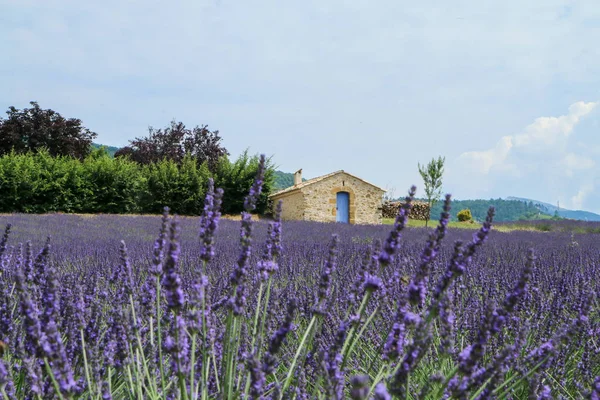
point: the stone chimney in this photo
(298, 177)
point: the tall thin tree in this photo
(432, 179)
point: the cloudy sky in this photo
(507, 91)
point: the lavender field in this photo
(188, 308)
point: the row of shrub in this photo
(40, 183)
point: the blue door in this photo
(342, 207)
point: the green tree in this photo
(432, 179)
(236, 178)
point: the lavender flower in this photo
(209, 221)
(238, 301)
(171, 280)
(4, 240)
(278, 338)
(328, 269)
(257, 378)
(177, 345)
(390, 247)
(381, 392)
(595, 395)
(6, 384)
(417, 291)
(360, 387)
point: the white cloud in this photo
(578, 199)
(483, 161)
(544, 131)
(547, 130)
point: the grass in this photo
(533, 226)
(414, 223)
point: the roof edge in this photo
(316, 179)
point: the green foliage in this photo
(181, 187)
(237, 177)
(40, 183)
(114, 185)
(283, 180)
(110, 150)
(464, 215)
(432, 179)
(506, 210)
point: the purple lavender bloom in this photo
(277, 249)
(39, 266)
(55, 351)
(546, 393)
(256, 189)
(257, 377)
(595, 395)
(328, 269)
(127, 274)
(332, 360)
(267, 266)
(381, 392)
(4, 240)
(391, 245)
(360, 387)
(171, 279)
(237, 301)
(417, 290)
(159, 245)
(209, 221)
(278, 337)
(177, 345)
(372, 283)
(6, 383)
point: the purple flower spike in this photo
(417, 290)
(596, 389)
(328, 269)
(381, 392)
(360, 387)
(237, 301)
(4, 239)
(277, 339)
(171, 280)
(209, 221)
(390, 248)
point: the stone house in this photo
(335, 197)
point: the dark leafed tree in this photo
(33, 128)
(173, 143)
(432, 179)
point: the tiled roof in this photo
(318, 179)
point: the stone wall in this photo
(365, 200)
(292, 207)
(419, 210)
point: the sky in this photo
(507, 91)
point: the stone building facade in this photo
(326, 197)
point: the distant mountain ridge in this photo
(562, 212)
(110, 149)
(284, 180)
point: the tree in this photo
(31, 129)
(236, 178)
(173, 143)
(432, 179)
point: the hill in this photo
(562, 212)
(284, 180)
(506, 210)
(110, 149)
